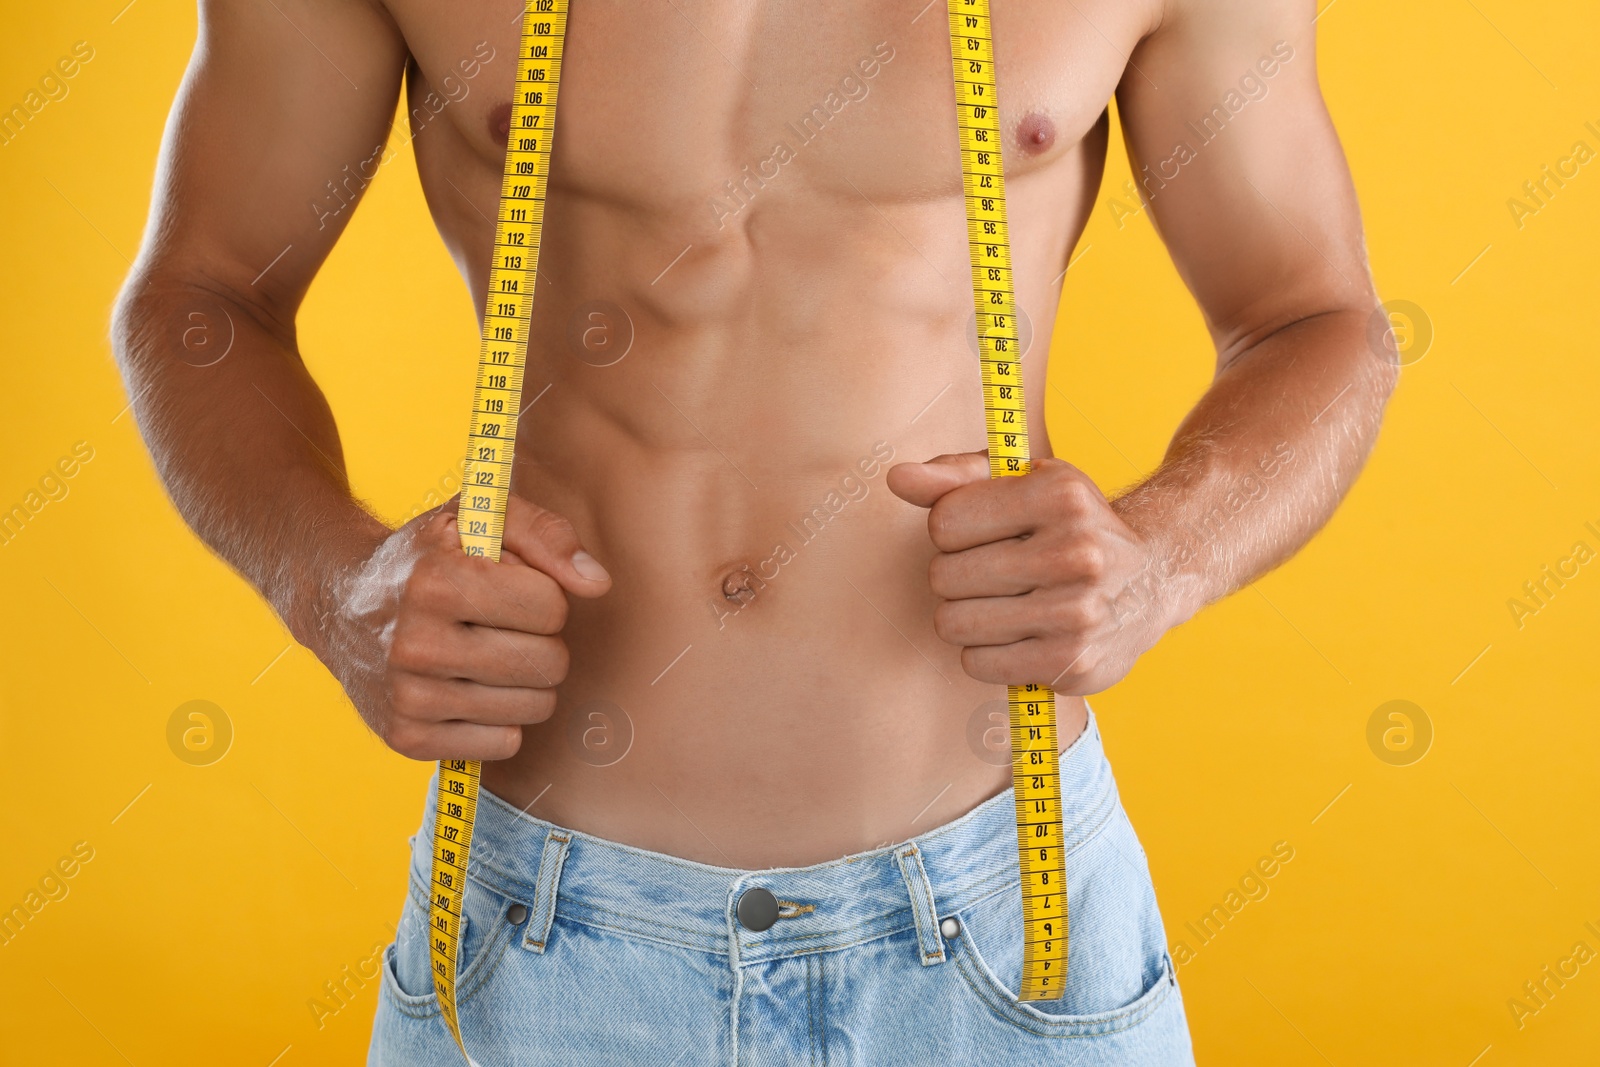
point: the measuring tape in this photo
(496, 403)
(496, 399)
(1035, 776)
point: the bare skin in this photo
(739, 534)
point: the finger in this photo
(457, 740)
(432, 702)
(1000, 568)
(923, 483)
(548, 542)
(1054, 492)
(1017, 565)
(506, 658)
(981, 513)
(1030, 662)
(512, 597)
(1071, 613)
(985, 621)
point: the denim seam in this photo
(1007, 1012)
(811, 1017)
(566, 907)
(924, 905)
(542, 915)
(986, 887)
(1012, 883)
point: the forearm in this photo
(1258, 466)
(246, 445)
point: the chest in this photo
(666, 103)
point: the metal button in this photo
(516, 914)
(758, 909)
(951, 927)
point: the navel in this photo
(500, 122)
(1036, 133)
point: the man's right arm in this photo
(246, 444)
(281, 104)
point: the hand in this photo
(447, 656)
(1034, 572)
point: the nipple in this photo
(1036, 133)
(500, 122)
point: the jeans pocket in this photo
(1118, 971)
(409, 962)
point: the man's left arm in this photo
(1045, 580)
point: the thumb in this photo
(923, 484)
(547, 542)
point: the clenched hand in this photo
(447, 656)
(1030, 569)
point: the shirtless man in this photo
(758, 593)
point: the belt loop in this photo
(930, 944)
(544, 893)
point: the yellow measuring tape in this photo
(486, 479)
(496, 403)
(1035, 777)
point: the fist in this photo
(1030, 570)
(448, 656)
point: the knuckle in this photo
(548, 665)
(427, 583)
(406, 699)
(551, 607)
(1074, 495)
(405, 738)
(540, 705)
(943, 524)
(1088, 558)
(503, 743)
(553, 529)
(1079, 659)
(982, 665)
(1074, 614)
(411, 650)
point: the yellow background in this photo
(1415, 907)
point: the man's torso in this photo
(762, 202)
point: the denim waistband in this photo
(562, 873)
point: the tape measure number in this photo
(1035, 775)
(496, 403)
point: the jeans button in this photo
(758, 909)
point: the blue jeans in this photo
(583, 951)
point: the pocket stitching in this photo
(999, 1000)
(976, 972)
(469, 981)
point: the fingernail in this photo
(589, 567)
